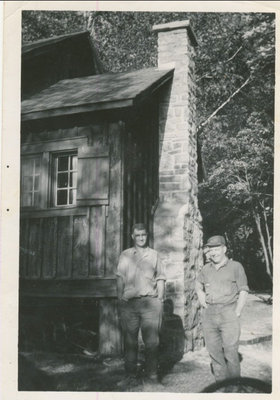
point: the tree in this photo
(238, 143)
(240, 184)
(45, 24)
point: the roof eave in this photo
(102, 106)
(30, 49)
(153, 88)
(84, 108)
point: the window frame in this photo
(40, 191)
(46, 150)
(53, 178)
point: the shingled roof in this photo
(96, 92)
(47, 61)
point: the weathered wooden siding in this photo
(140, 172)
(110, 340)
(114, 219)
(78, 242)
(71, 252)
(65, 246)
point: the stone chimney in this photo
(177, 220)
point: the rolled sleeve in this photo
(160, 273)
(121, 266)
(241, 278)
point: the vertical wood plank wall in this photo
(63, 247)
(109, 328)
(110, 336)
(71, 243)
(114, 219)
(140, 172)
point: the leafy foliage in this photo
(45, 24)
(235, 108)
(238, 148)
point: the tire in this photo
(239, 385)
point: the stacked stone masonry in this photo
(177, 222)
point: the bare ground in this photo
(72, 372)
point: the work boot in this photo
(152, 384)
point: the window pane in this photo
(30, 181)
(27, 183)
(36, 182)
(73, 179)
(73, 163)
(62, 180)
(36, 199)
(27, 199)
(72, 196)
(62, 164)
(26, 167)
(61, 197)
(65, 179)
(37, 165)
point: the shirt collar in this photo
(146, 249)
(221, 265)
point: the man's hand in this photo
(204, 304)
(201, 294)
(161, 289)
(202, 299)
(161, 300)
(238, 313)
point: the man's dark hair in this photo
(139, 226)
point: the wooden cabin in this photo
(99, 153)
(89, 170)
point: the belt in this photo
(140, 297)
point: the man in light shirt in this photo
(222, 290)
(140, 289)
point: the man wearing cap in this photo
(140, 289)
(222, 289)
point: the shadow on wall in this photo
(164, 94)
(172, 339)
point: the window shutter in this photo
(93, 177)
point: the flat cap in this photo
(215, 241)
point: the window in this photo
(36, 180)
(65, 179)
(31, 171)
(56, 176)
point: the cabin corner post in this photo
(110, 339)
(177, 220)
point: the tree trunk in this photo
(201, 126)
(268, 237)
(259, 228)
(86, 17)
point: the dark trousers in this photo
(143, 313)
(221, 328)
